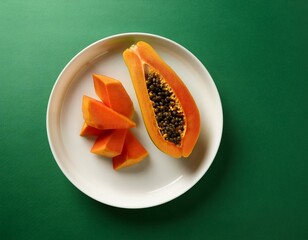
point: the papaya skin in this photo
(136, 58)
(98, 115)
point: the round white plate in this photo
(159, 178)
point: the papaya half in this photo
(169, 111)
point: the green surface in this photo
(256, 52)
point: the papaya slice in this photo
(169, 111)
(132, 153)
(109, 143)
(113, 94)
(97, 114)
(87, 130)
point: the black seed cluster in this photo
(169, 116)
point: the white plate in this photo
(159, 178)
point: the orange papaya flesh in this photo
(113, 94)
(87, 130)
(110, 143)
(144, 65)
(132, 153)
(97, 114)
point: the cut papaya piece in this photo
(132, 153)
(169, 111)
(87, 130)
(113, 94)
(98, 115)
(110, 143)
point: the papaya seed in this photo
(168, 113)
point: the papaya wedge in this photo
(97, 114)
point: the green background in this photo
(256, 52)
